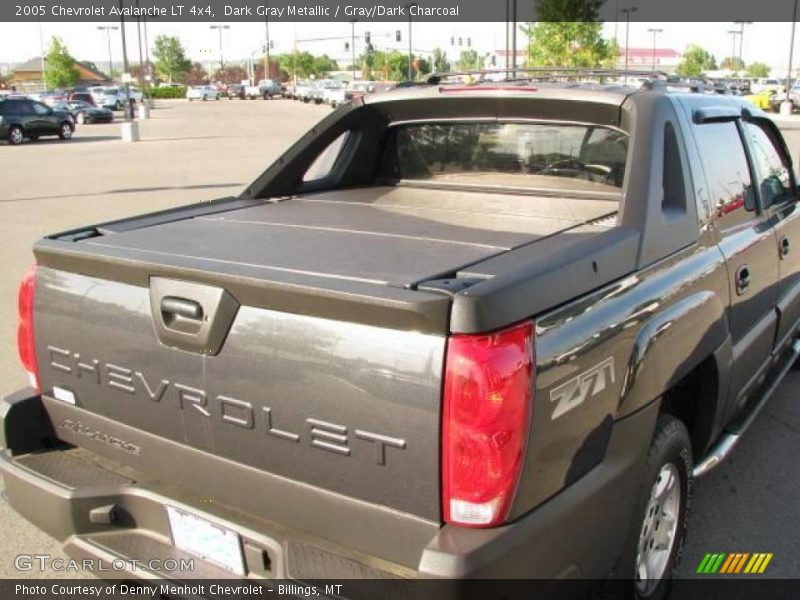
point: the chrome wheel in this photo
(658, 533)
(81, 118)
(15, 136)
(66, 131)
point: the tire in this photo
(661, 512)
(118, 105)
(65, 131)
(16, 135)
(81, 118)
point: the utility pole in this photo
(267, 60)
(787, 105)
(353, 46)
(125, 65)
(147, 52)
(741, 25)
(410, 49)
(141, 55)
(627, 12)
(107, 29)
(655, 32)
(734, 33)
(513, 39)
(220, 28)
(41, 50)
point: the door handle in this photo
(742, 279)
(783, 247)
(181, 307)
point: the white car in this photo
(114, 97)
(334, 93)
(202, 92)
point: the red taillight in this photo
(487, 405)
(27, 352)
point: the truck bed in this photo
(397, 236)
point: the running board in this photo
(723, 448)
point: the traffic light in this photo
(398, 35)
(272, 44)
(494, 60)
(366, 37)
(347, 46)
(469, 42)
(452, 40)
(264, 49)
(460, 41)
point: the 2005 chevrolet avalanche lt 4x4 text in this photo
(455, 331)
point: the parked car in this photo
(266, 89)
(84, 112)
(86, 97)
(356, 89)
(794, 97)
(432, 340)
(114, 97)
(202, 92)
(23, 118)
(301, 90)
(334, 92)
(765, 99)
(52, 97)
(235, 90)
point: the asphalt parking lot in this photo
(205, 150)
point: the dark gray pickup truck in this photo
(455, 331)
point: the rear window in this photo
(517, 155)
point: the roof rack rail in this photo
(533, 73)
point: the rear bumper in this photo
(102, 510)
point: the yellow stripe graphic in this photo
(764, 564)
(758, 562)
(751, 564)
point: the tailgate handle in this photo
(181, 307)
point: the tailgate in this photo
(290, 336)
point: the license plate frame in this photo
(207, 540)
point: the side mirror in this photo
(750, 198)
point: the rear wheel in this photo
(15, 135)
(65, 132)
(653, 549)
(81, 118)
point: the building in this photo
(665, 59)
(27, 77)
(497, 59)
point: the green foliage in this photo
(695, 62)
(758, 69)
(59, 70)
(567, 34)
(469, 61)
(304, 64)
(569, 44)
(171, 62)
(167, 92)
(732, 64)
(440, 62)
(392, 65)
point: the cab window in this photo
(772, 174)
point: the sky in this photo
(765, 42)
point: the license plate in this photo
(206, 540)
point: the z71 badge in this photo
(574, 392)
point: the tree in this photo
(231, 74)
(171, 61)
(732, 63)
(568, 34)
(469, 61)
(322, 65)
(195, 75)
(695, 62)
(59, 70)
(440, 63)
(758, 69)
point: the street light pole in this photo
(267, 58)
(787, 101)
(107, 29)
(220, 28)
(733, 33)
(655, 32)
(125, 65)
(627, 12)
(741, 25)
(353, 46)
(410, 50)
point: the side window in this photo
(40, 109)
(727, 172)
(771, 166)
(324, 163)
